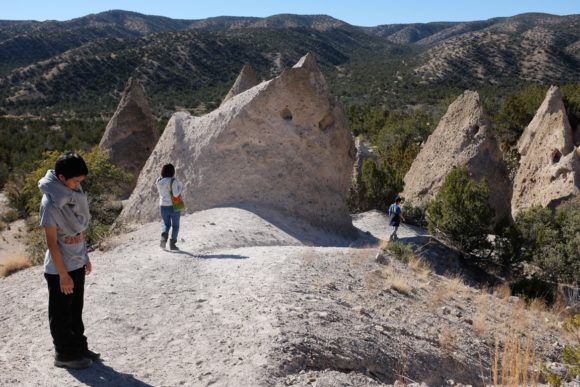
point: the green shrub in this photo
(415, 215)
(379, 186)
(460, 212)
(102, 184)
(104, 178)
(35, 241)
(516, 112)
(552, 240)
(400, 251)
(570, 354)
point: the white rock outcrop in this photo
(549, 170)
(245, 80)
(132, 133)
(462, 137)
(283, 145)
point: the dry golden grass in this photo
(12, 265)
(384, 245)
(438, 296)
(480, 325)
(400, 284)
(421, 268)
(455, 285)
(537, 305)
(515, 363)
(503, 291)
(559, 305)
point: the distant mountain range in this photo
(80, 66)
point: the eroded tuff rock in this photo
(549, 170)
(245, 80)
(463, 137)
(282, 145)
(131, 134)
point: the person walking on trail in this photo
(168, 186)
(64, 215)
(395, 217)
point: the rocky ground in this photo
(248, 302)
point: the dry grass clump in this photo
(400, 284)
(503, 290)
(400, 251)
(13, 264)
(438, 295)
(537, 305)
(515, 363)
(480, 325)
(455, 284)
(421, 268)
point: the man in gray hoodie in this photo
(64, 214)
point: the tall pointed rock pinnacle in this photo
(132, 133)
(463, 137)
(246, 80)
(549, 170)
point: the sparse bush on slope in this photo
(461, 213)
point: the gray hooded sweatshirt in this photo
(68, 211)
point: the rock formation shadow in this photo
(447, 261)
(309, 234)
(100, 374)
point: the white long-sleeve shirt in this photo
(162, 184)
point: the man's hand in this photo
(66, 284)
(88, 267)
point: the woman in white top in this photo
(166, 183)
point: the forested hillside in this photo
(56, 75)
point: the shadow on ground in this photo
(310, 234)
(221, 256)
(445, 260)
(100, 374)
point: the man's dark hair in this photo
(70, 165)
(399, 200)
(168, 170)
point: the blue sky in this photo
(357, 12)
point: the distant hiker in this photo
(395, 217)
(64, 214)
(168, 188)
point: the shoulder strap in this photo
(171, 186)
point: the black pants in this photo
(65, 315)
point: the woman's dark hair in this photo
(70, 165)
(168, 170)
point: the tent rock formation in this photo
(549, 170)
(462, 137)
(131, 134)
(283, 145)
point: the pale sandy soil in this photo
(246, 302)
